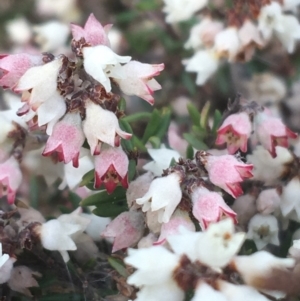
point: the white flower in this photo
(263, 229)
(150, 271)
(289, 33)
(164, 194)
(18, 30)
(161, 160)
(290, 198)
(51, 35)
(259, 266)
(166, 291)
(99, 62)
(203, 33)
(269, 19)
(3, 257)
(6, 268)
(227, 43)
(206, 292)
(268, 201)
(204, 62)
(180, 10)
(266, 168)
(234, 292)
(101, 126)
(22, 278)
(219, 244)
(56, 236)
(290, 4)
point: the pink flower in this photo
(10, 179)
(101, 126)
(226, 171)
(271, 132)
(235, 131)
(138, 80)
(209, 207)
(66, 139)
(14, 66)
(93, 32)
(111, 168)
(179, 219)
(126, 229)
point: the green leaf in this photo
(190, 152)
(87, 178)
(103, 197)
(138, 144)
(194, 114)
(204, 115)
(118, 265)
(189, 83)
(164, 123)
(122, 104)
(75, 199)
(112, 209)
(137, 116)
(191, 139)
(127, 145)
(152, 126)
(131, 170)
(217, 121)
(155, 141)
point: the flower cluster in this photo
(71, 100)
(249, 25)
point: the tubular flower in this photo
(209, 207)
(93, 32)
(138, 80)
(10, 179)
(14, 66)
(226, 171)
(111, 168)
(126, 229)
(271, 132)
(66, 139)
(164, 194)
(235, 131)
(101, 126)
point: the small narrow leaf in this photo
(112, 209)
(194, 114)
(118, 265)
(137, 116)
(191, 139)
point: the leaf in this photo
(112, 209)
(131, 170)
(189, 83)
(118, 265)
(152, 126)
(87, 178)
(138, 144)
(137, 116)
(127, 145)
(190, 152)
(155, 141)
(217, 121)
(122, 104)
(194, 114)
(191, 139)
(204, 115)
(103, 197)
(164, 123)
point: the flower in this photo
(209, 207)
(227, 43)
(51, 35)
(22, 278)
(101, 126)
(263, 229)
(268, 201)
(164, 194)
(235, 131)
(249, 34)
(178, 220)
(180, 10)
(138, 80)
(162, 159)
(93, 32)
(10, 178)
(204, 63)
(111, 168)
(126, 229)
(3, 257)
(226, 172)
(66, 139)
(203, 33)
(14, 66)
(101, 63)
(204, 291)
(256, 267)
(149, 270)
(271, 132)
